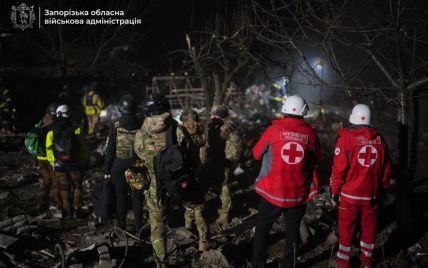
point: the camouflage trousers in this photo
(70, 185)
(226, 200)
(221, 187)
(194, 212)
(157, 220)
(46, 183)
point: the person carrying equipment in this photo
(36, 143)
(68, 153)
(119, 157)
(158, 133)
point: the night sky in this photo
(27, 70)
(164, 25)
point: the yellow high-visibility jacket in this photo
(84, 148)
(95, 107)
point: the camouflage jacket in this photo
(199, 146)
(151, 137)
(120, 141)
(225, 143)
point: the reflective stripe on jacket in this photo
(361, 165)
(84, 149)
(290, 150)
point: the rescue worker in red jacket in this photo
(290, 150)
(361, 170)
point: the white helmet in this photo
(360, 115)
(295, 105)
(63, 111)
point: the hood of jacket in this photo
(157, 123)
(129, 122)
(360, 130)
(290, 122)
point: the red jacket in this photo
(290, 149)
(361, 165)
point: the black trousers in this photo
(122, 190)
(268, 214)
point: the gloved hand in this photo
(334, 200)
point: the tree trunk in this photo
(404, 185)
(218, 100)
(207, 102)
(414, 138)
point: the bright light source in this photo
(320, 63)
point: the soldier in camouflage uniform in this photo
(194, 209)
(149, 141)
(225, 151)
(119, 157)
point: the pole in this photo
(322, 82)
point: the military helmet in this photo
(51, 109)
(156, 103)
(220, 111)
(189, 114)
(126, 104)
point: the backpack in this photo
(124, 142)
(34, 141)
(173, 169)
(64, 144)
(89, 99)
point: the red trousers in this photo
(349, 216)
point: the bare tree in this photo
(223, 53)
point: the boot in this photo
(75, 214)
(41, 207)
(161, 265)
(222, 219)
(68, 215)
(203, 245)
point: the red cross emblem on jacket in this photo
(290, 149)
(361, 165)
(292, 153)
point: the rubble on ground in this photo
(44, 239)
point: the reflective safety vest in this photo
(92, 103)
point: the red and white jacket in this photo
(361, 165)
(290, 150)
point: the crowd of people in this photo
(159, 159)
